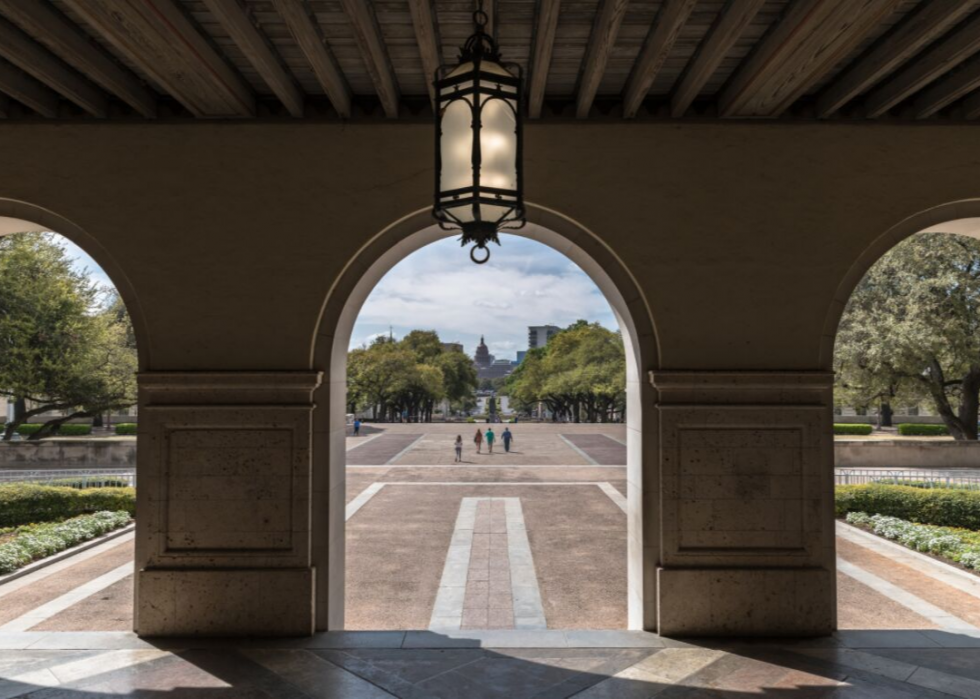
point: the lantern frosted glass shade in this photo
(478, 154)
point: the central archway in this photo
(329, 355)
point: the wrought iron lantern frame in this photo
(479, 87)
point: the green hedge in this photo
(23, 503)
(126, 428)
(907, 429)
(68, 430)
(852, 429)
(41, 540)
(945, 507)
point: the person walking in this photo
(508, 437)
(357, 427)
(478, 440)
(490, 437)
(459, 448)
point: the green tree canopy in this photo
(911, 331)
(408, 376)
(579, 374)
(63, 347)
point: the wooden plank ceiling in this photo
(583, 59)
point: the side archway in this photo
(329, 355)
(960, 217)
(18, 217)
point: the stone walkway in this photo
(492, 665)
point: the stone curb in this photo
(67, 553)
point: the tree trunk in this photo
(50, 426)
(885, 415)
(970, 403)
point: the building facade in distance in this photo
(538, 335)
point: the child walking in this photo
(459, 448)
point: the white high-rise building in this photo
(538, 335)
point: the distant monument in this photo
(487, 366)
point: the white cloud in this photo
(525, 283)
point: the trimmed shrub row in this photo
(907, 429)
(947, 507)
(852, 429)
(960, 545)
(93, 482)
(126, 428)
(68, 430)
(40, 540)
(23, 503)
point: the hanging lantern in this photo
(478, 144)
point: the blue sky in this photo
(438, 288)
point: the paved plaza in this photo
(528, 540)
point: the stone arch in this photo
(18, 216)
(329, 355)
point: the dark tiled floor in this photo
(354, 666)
(604, 450)
(380, 450)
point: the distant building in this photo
(452, 346)
(489, 367)
(538, 335)
(482, 358)
(520, 356)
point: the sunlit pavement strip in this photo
(463, 566)
(580, 451)
(59, 604)
(945, 573)
(613, 494)
(365, 495)
(940, 617)
(362, 499)
(41, 573)
(362, 441)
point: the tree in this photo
(580, 373)
(60, 348)
(408, 376)
(911, 331)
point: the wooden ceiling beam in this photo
(4, 106)
(926, 69)
(726, 30)
(372, 44)
(35, 60)
(810, 39)
(28, 91)
(241, 26)
(544, 46)
(67, 42)
(427, 37)
(916, 32)
(160, 38)
(305, 31)
(660, 40)
(605, 29)
(942, 93)
(971, 106)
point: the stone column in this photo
(223, 510)
(746, 464)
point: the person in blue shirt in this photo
(357, 427)
(490, 437)
(507, 437)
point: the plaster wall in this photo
(743, 240)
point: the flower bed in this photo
(959, 545)
(35, 541)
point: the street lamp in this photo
(479, 189)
